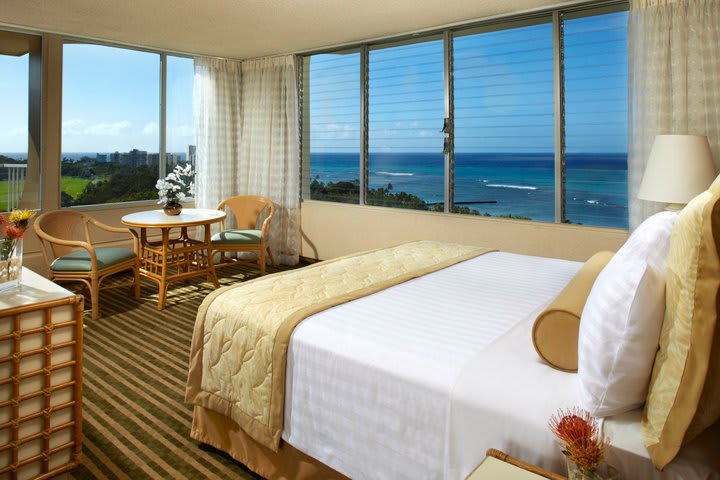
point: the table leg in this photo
(212, 276)
(163, 286)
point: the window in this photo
(504, 121)
(112, 126)
(20, 121)
(596, 125)
(534, 109)
(333, 96)
(406, 111)
(180, 124)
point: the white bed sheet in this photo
(506, 391)
(369, 382)
(419, 380)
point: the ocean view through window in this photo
(406, 112)
(503, 121)
(334, 92)
(596, 118)
(111, 128)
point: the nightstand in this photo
(501, 466)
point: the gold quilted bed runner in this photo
(242, 332)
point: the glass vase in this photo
(603, 472)
(11, 265)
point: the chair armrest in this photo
(70, 243)
(108, 228)
(221, 207)
(266, 223)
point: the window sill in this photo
(469, 218)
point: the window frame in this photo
(162, 120)
(558, 15)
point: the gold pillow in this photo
(684, 395)
(555, 332)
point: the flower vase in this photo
(603, 472)
(11, 264)
(172, 209)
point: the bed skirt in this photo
(287, 463)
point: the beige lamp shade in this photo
(680, 167)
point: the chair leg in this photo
(261, 261)
(272, 260)
(136, 281)
(95, 297)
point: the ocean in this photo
(498, 183)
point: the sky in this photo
(503, 94)
(110, 101)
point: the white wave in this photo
(395, 174)
(592, 202)
(518, 187)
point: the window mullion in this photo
(364, 122)
(162, 156)
(559, 118)
(449, 143)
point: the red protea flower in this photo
(2, 220)
(580, 433)
(13, 231)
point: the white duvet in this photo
(418, 380)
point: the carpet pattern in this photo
(135, 422)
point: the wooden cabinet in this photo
(41, 326)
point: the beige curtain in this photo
(674, 81)
(246, 119)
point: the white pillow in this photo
(620, 324)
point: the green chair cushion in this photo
(79, 260)
(237, 237)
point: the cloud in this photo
(108, 129)
(151, 128)
(73, 127)
(79, 127)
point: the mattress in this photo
(419, 380)
(369, 382)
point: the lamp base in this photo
(674, 207)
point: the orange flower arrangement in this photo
(13, 227)
(583, 444)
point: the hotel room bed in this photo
(419, 379)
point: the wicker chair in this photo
(247, 237)
(72, 260)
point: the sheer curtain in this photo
(216, 106)
(248, 140)
(674, 53)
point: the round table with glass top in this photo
(171, 259)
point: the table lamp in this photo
(680, 167)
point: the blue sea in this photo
(498, 183)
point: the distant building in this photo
(134, 157)
(114, 157)
(153, 159)
(171, 160)
(191, 155)
(101, 158)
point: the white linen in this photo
(505, 396)
(621, 322)
(369, 382)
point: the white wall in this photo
(334, 229)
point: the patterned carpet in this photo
(136, 424)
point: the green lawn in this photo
(73, 186)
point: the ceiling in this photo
(247, 28)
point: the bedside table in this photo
(501, 466)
